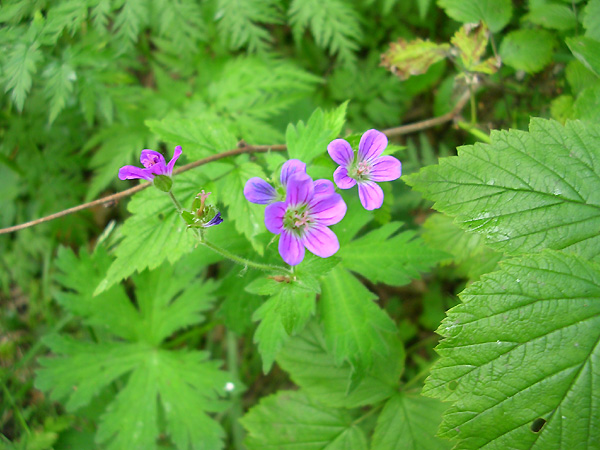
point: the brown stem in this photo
(108, 200)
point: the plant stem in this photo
(236, 410)
(471, 129)
(175, 202)
(473, 105)
(243, 261)
(16, 409)
(422, 374)
(368, 413)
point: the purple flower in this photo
(259, 191)
(154, 164)
(216, 220)
(366, 169)
(302, 219)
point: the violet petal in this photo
(259, 191)
(341, 178)
(176, 154)
(328, 210)
(371, 145)
(133, 172)
(291, 167)
(151, 157)
(291, 248)
(321, 241)
(300, 189)
(274, 217)
(323, 188)
(385, 168)
(341, 152)
(370, 194)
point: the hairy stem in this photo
(244, 261)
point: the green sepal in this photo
(163, 183)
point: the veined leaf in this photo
(154, 233)
(407, 58)
(393, 260)
(284, 314)
(18, 69)
(528, 50)
(310, 365)
(587, 51)
(180, 387)
(354, 325)
(409, 423)
(525, 191)
(59, 87)
(294, 421)
(518, 358)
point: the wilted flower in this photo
(259, 191)
(154, 164)
(203, 215)
(302, 219)
(365, 169)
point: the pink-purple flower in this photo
(259, 191)
(154, 164)
(366, 168)
(303, 218)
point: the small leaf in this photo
(409, 423)
(471, 43)
(549, 15)
(586, 50)
(591, 20)
(528, 50)
(294, 421)
(495, 13)
(407, 58)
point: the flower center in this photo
(150, 161)
(360, 171)
(297, 219)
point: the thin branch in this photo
(110, 199)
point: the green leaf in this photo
(238, 23)
(285, 313)
(495, 13)
(471, 43)
(407, 58)
(392, 260)
(154, 233)
(528, 50)
(306, 142)
(587, 105)
(247, 217)
(354, 325)
(59, 87)
(518, 357)
(333, 23)
(551, 15)
(525, 191)
(180, 387)
(198, 138)
(294, 421)
(409, 422)
(468, 250)
(579, 76)
(586, 50)
(310, 365)
(591, 20)
(18, 69)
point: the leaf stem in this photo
(16, 409)
(473, 130)
(422, 374)
(243, 261)
(175, 202)
(368, 414)
(236, 410)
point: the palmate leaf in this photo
(154, 233)
(392, 260)
(162, 390)
(520, 356)
(526, 191)
(310, 365)
(294, 421)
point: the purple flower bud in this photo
(259, 191)
(365, 169)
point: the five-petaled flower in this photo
(259, 191)
(303, 218)
(154, 164)
(366, 168)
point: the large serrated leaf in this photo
(519, 358)
(526, 191)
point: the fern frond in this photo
(239, 22)
(59, 86)
(19, 67)
(133, 16)
(181, 22)
(333, 23)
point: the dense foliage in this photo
(149, 323)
